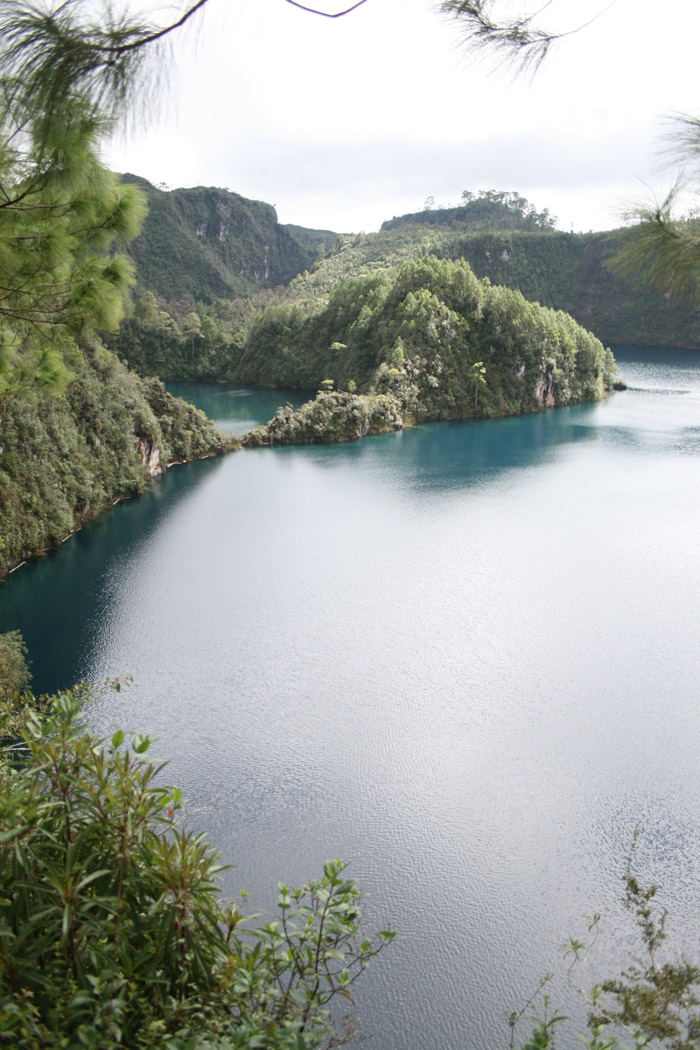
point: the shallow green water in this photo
(464, 656)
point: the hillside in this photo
(488, 210)
(564, 271)
(209, 243)
(569, 272)
(63, 460)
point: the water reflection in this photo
(60, 601)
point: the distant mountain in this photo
(488, 210)
(210, 243)
(319, 242)
(570, 272)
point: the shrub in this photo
(113, 934)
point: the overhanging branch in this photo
(327, 14)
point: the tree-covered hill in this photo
(487, 210)
(566, 271)
(571, 272)
(209, 243)
(318, 242)
(430, 342)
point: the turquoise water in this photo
(464, 657)
(237, 409)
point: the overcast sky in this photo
(342, 123)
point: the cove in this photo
(463, 656)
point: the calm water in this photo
(464, 657)
(234, 409)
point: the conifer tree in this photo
(60, 216)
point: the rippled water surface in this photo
(464, 657)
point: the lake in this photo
(463, 657)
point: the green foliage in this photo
(61, 214)
(153, 340)
(114, 934)
(662, 251)
(64, 460)
(488, 210)
(432, 341)
(499, 234)
(14, 673)
(77, 431)
(574, 273)
(51, 53)
(211, 243)
(334, 416)
(654, 1002)
(318, 242)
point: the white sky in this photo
(342, 123)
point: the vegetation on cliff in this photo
(430, 343)
(333, 416)
(488, 210)
(565, 271)
(112, 933)
(211, 243)
(63, 460)
(186, 340)
(77, 430)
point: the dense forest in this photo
(430, 343)
(392, 329)
(201, 333)
(212, 243)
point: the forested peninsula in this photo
(428, 343)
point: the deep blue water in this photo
(464, 657)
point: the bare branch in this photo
(156, 34)
(327, 14)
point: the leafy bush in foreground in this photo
(112, 933)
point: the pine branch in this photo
(520, 43)
(661, 252)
